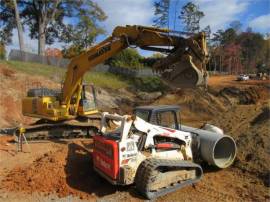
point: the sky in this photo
(218, 14)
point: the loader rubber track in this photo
(149, 169)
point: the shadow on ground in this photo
(81, 174)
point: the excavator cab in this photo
(88, 101)
(45, 103)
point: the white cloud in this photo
(219, 13)
(126, 12)
(261, 23)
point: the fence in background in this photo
(31, 57)
(61, 62)
(125, 71)
(218, 73)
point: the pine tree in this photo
(162, 13)
(191, 16)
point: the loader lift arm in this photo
(184, 66)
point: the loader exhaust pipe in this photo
(215, 148)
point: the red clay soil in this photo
(13, 87)
(240, 109)
(230, 80)
(66, 171)
(52, 172)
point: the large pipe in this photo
(215, 148)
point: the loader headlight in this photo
(130, 146)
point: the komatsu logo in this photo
(100, 52)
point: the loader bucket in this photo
(184, 74)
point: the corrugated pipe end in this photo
(224, 152)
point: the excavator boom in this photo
(183, 67)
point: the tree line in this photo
(78, 23)
(75, 23)
(232, 50)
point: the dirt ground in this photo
(61, 170)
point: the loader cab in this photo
(162, 115)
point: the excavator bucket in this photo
(184, 74)
(185, 66)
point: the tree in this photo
(249, 30)
(126, 58)
(244, 52)
(71, 51)
(19, 25)
(232, 58)
(207, 31)
(83, 34)
(158, 55)
(7, 22)
(217, 37)
(191, 16)
(2, 51)
(10, 18)
(162, 13)
(229, 36)
(236, 25)
(253, 49)
(46, 19)
(53, 52)
(150, 61)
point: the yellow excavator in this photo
(69, 110)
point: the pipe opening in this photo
(224, 152)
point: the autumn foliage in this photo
(53, 52)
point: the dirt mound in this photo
(241, 112)
(262, 117)
(68, 171)
(13, 88)
(239, 108)
(199, 106)
(250, 95)
(7, 72)
(249, 126)
(220, 82)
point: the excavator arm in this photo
(184, 66)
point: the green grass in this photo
(101, 79)
(106, 80)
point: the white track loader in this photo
(157, 159)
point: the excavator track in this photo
(42, 130)
(157, 177)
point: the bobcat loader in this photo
(158, 160)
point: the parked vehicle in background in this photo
(242, 77)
